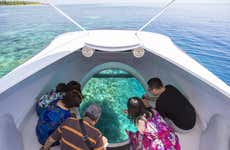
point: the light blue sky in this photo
(132, 1)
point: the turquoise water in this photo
(112, 95)
(201, 30)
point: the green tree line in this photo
(17, 2)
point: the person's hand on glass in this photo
(125, 111)
(105, 141)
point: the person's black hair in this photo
(155, 83)
(61, 87)
(137, 108)
(72, 99)
(74, 85)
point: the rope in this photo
(66, 16)
(156, 16)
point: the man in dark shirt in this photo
(172, 104)
(71, 134)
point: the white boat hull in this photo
(63, 61)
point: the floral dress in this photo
(49, 120)
(157, 136)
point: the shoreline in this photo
(20, 3)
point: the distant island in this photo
(12, 2)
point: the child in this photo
(53, 95)
(56, 113)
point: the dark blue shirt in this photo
(49, 120)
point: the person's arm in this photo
(55, 136)
(75, 113)
(49, 142)
(149, 98)
(102, 143)
(153, 110)
(105, 141)
(146, 103)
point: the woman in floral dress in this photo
(153, 132)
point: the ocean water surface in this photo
(201, 30)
